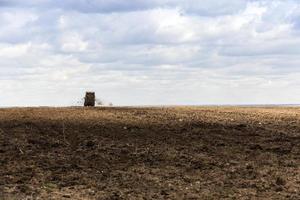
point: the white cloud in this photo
(8, 51)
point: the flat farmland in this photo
(150, 153)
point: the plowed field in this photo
(150, 153)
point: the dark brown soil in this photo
(150, 153)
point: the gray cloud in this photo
(219, 7)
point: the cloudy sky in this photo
(149, 52)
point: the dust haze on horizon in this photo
(159, 52)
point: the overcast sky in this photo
(149, 52)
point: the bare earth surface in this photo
(150, 153)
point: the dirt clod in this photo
(280, 181)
